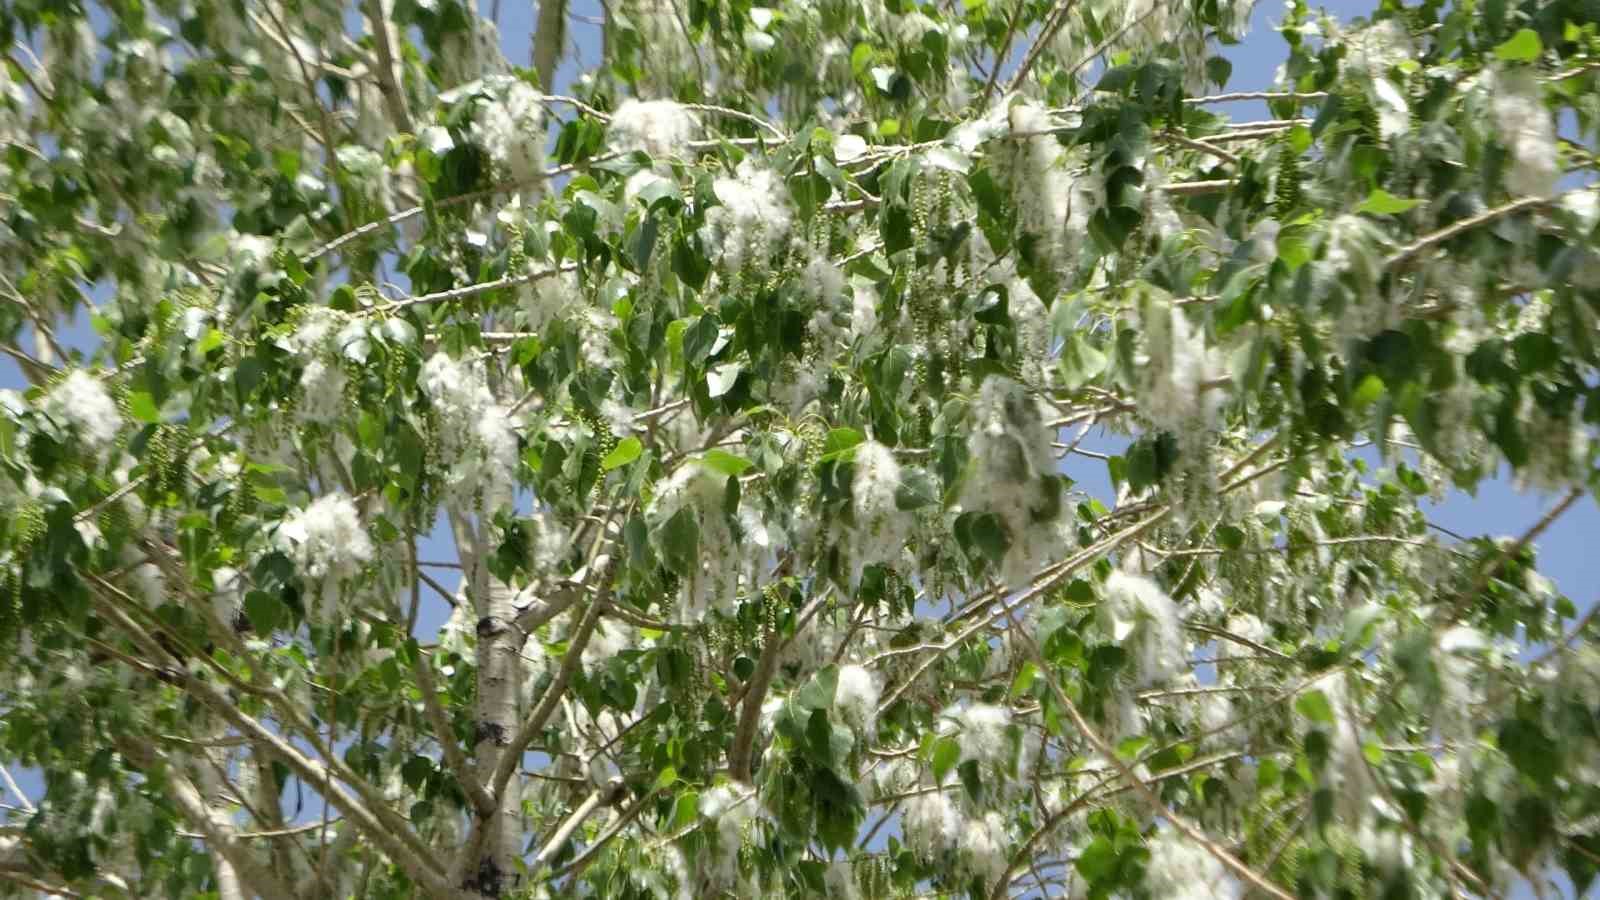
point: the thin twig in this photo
(1179, 822)
(1408, 252)
(1256, 95)
(1000, 58)
(1454, 611)
(472, 290)
(1046, 34)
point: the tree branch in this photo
(1454, 611)
(1410, 251)
(383, 38)
(1046, 34)
(220, 833)
(394, 836)
(1179, 822)
(549, 39)
(600, 795)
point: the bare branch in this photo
(384, 40)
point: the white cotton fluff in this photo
(326, 540)
(1527, 131)
(1347, 764)
(1180, 869)
(830, 324)
(146, 580)
(661, 128)
(535, 662)
(228, 596)
(822, 280)
(932, 824)
(547, 299)
(1378, 48)
(987, 846)
(1215, 714)
(459, 633)
(881, 526)
(795, 390)
(250, 251)
(856, 698)
(1249, 626)
(676, 866)
(890, 777)
(1178, 367)
(863, 310)
(753, 217)
(478, 447)
(367, 174)
(1053, 205)
(608, 639)
(1394, 112)
(622, 418)
(316, 327)
(720, 560)
(1010, 447)
(510, 127)
(1138, 614)
(670, 54)
(322, 392)
(983, 731)
(82, 403)
(840, 880)
(732, 806)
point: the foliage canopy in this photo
(750, 381)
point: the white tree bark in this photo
(489, 865)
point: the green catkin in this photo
(1366, 116)
(1290, 194)
(604, 442)
(516, 251)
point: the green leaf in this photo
(1530, 750)
(917, 489)
(1117, 78)
(1314, 705)
(415, 771)
(626, 451)
(1382, 203)
(946, 753)
(680, 542)
(818, 691)
(1023, 683)
(1097, 860)
(721, 379)
(265, 611)
(143, 407)
(990, 536)
(1231, 537)
(724, 462)
(644, 241)
(839, 440)
(1524, 46)
(667, 778)
(1367, 392)
(699, 339)
(687, 808)
(971, 780)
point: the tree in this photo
(751, 381)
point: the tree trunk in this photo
(496, 839)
